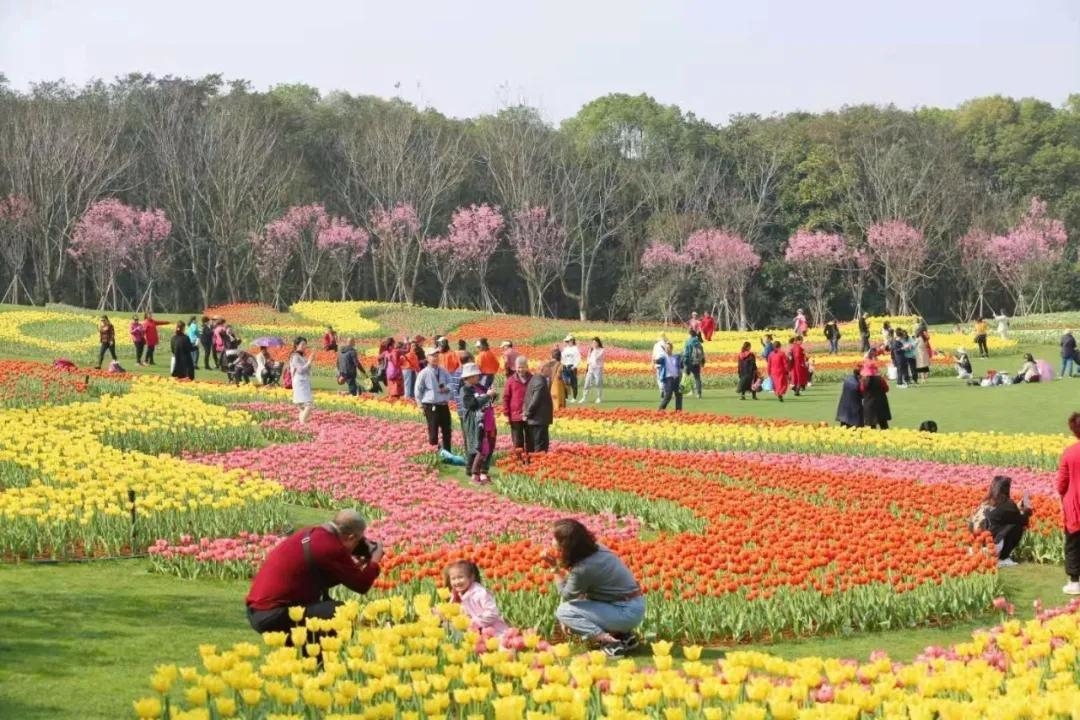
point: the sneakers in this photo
(614, 650)
(629, 640)
(597, 401)
(1007, 562)
(1072, 588)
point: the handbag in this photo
(756, 385)
(684, 384)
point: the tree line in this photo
(190, 192)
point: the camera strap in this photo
(313, 567)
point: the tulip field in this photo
(743, 530)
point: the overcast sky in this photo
(467, 58)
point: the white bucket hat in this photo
(470, 370)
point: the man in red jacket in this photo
(302, 568)
(1068, 487)
(514, 404)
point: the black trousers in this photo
(521, 437)
(278, 620)
(540, 439)
(912, 371)
(139, 347)
(438, 420)
(570, 378)
(106, 348)
(150, 354)
(1009, 537)
(865, 339)
(207, 352)
(1072, 555)
(671, 387)
(984, 351)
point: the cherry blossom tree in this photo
(665, 269)
(148, 252)
(15, 217)
(902, 252)
(397, 245)
(977, 268)
(468, 245)
(539, 244)
(725, 262)
(813, 257)
(273, 259)
(1023, 256)
(344, 245)
(109, 236)
(300, 228)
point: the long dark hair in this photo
(467, 565)
(575, 542)
(1000, 487)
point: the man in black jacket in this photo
(539, 411)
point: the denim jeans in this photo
(660, 378)
(1068, 366)
(590, 618)
(410, 382)
(834, 345)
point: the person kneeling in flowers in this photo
(601, 600)
(301, 569)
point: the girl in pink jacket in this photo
(477, 602)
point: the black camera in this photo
(365, 549)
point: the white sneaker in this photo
(1007, 562)
(597, 401)
(1072, 588)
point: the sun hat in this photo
(961, 351)
(478, 344)
(505, 344)
(569, 338)
(470, 370)
(431, 351)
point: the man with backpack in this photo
(693, 359)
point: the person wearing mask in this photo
(348, 366)
(206, 340)
(571, 358)
(1068, 354)
(150, 330)
(671, 367)
(693, 359)
(300, 372)
(510, 356)
(433, 397)
(594, 372)
(864, 333)
(300, 570)
(514, 393)
(658, 353)
(849, 409)
(1068, 488)
(138, 338)
(106, 340)
(539, 410)
(1001, 517)
(747, 372)
(601, 600)
(183, 364)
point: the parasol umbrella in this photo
(268, 342)
(1045, 371)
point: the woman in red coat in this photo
(1068, 487)
(800, 372)
(150, 326)
(778, 370)
(708, 326)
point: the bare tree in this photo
(62, 151)
(394, 154)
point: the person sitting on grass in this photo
(1029, 371)
(302, 568)
(1000, 516)
(963, 364)
(601, 600)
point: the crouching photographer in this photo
(301, 569)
